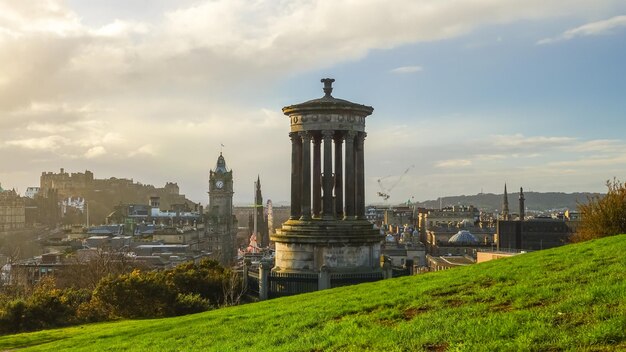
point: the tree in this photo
(603, 216)
(88, 268)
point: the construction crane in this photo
(385, 193)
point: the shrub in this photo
(603, 216)
(189, 303)
(135, 295)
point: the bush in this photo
(603, 216)
(12, 316)
(135, 295)
(185, 289)
(189, 303)
(47, 307)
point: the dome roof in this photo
(327, 103)
(463, 237)
(390, 238)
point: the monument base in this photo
(305, 246)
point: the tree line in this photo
(52, 302)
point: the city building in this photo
(12, 211)
(437, 263)
(221, 223)
(532, 234)
(457, 230)
(31, 192)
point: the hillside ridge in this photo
(567, 298)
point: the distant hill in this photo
(568, 298)
(534, 200)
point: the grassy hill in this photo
(568, 298)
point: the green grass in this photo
(568, 298)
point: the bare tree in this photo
(86, 269)
(232, 289)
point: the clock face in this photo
(219, 184)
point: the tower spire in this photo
(521, 204)
(505, 205)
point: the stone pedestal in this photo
(340, 246)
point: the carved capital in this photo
(349, 135)
(295, 137)
(306, 136)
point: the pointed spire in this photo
(522, 208)
(505, 205)
(258, 197)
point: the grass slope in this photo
(568, 298)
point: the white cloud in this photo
(95, 152)
(48, 127)
(520, 141)
(48, 143)
(453, 163)
(407, 69)
(589, 29)
(146, 149)
(98, 94)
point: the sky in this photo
(467, 94)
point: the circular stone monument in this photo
(327, 225)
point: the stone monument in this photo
(327, 229)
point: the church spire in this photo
(505, 205)
(258, 197)
(522, 208)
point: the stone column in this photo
(350, 182)
(317, 176)
(328, 174)
(296, 171)
(246, 269)
(306, 176)
(264, 273)
(360, 176)
(323, 278)
(339, 175)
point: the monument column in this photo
(350, 182)
(306, 176)
(338, 176)
(296, 170)
(360, 176)
(328, 174)
(317, 177)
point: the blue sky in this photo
(467, 94)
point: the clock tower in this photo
(222, 223)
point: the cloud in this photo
(97, 94)
(453, 163)
(589, 29)
(95, 152)
(48, 143)
(595, 161)
(407, 69)
(146, 149)
(522, 142)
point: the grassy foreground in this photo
(568, 298)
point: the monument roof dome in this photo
(328, 102)
(463, 237)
